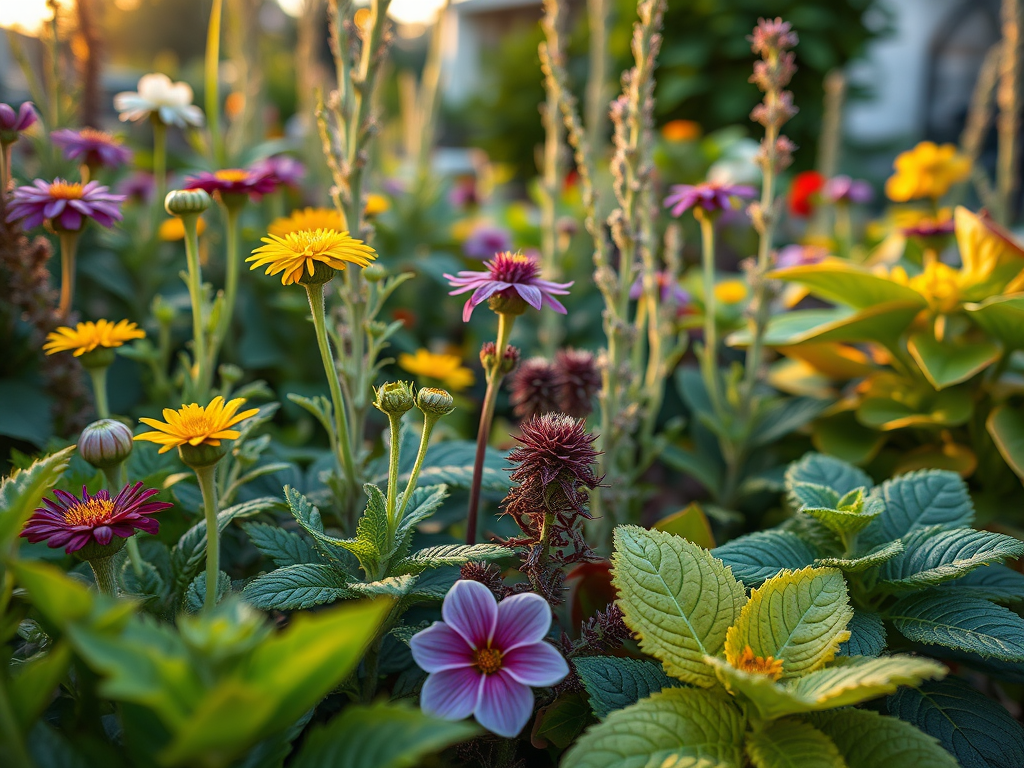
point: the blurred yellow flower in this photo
(984, 245)
(731, 291)
(85, 337)
(939, 283)
(307, 218)
(173, 229)
(463, 228)
(927, 170)
(298, 254)
(195, 425)
(681, 130)
(375, 205)
(447, 369)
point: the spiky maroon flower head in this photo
(511, 282)
(74, 523)
(578, 381)
(535, 388)
(555, 448)
(772, 36)
(97, 149)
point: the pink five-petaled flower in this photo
(485, 656)
(65, 204)
(73, 522)
(508, 275)
(711, 196)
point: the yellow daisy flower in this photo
(85, 337)
(305, 255)
(172, 229)
(447, 369)
(375, 205)
(307, 218)
(927, 170)
(195, 425)
(731, 291)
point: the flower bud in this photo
(230, 374)
(101, 357)
(510, 360)
(322, 273)
(374, 273)
(186, 202)
(434, 402)
(394, 398)
(202, 455)
(507, 303)
(105, 443)
(163, 310)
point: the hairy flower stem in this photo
(394, 456)
(159, 160)
(68, 249)
(99, 390)
(709, 356)
(429, 420)
(212, 82)
(208, 486)
(200, 375)
(105, 572)
(494, 377)
(340, 442)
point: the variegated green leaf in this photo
(933, 555)
(827, 471)
(853, 679)
(758, 556)
(880, 554)
(791, 743)
(869, 740)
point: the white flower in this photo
(171, 102)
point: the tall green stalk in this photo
(201, 375)
(159, 158)
(212, 82)
(68, 250)
(98, 375)
(206, 477)
(709, 356)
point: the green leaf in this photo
(850, 284)
(847, 519)
(559, 723)
(677, 728)
(797, 617)
(945, 363)
(677, 597)
(1006, 427)
(23, 491)
(972, 727)
(792, 744)
(869, 740)
(818, 469)
(423, 503)
(297, 586)
(150, 583)
(759, 556)
(842, 436)
(194, 599)
(282, 546)
(853, 679)
(932, 556)
(923, 498)
(992, 582)
(691, 523)
(448, 555)
(883, 323)
(785, 417)
(393, 586)
(33, 682)
(949, 407)
(936, 617)
(695, 464)
(1000, 316)
(876, 556)
(867, 635)
(614, 683)
(813, 496)
(379, 735)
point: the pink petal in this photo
(451, 694)
(539, 665)
(505, 705)
(522, 620)
(531, 295)
(471, 610)
(439, 647)
(103, 534)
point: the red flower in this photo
(805, 187)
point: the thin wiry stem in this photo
(1008, 98)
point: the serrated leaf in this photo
(972, 727)
(448, 555)
(828, 471)
(924, 498)
(379, 735)
(614, 683)
(880, 554)
(867, 635)
(797, 617)
(869, 740)
(677, 597)
(677, 728)
(423, 502)
(22, 491)
(194, 599)
(853, 679)
(297, 586)
(932, 556)
(813, 495)
(992, 582)
(791, 743)
(308, 517)
(282, 546)
(759, 556)
(393, 586)
(935, 617)
(849, 517)
(148, 583)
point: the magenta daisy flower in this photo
(12, 123)
(484, 658)
(234, 181)
(509, 275)
(94, 148)
(65, 204)
(711, 196)
(283, 170)
(73, 522)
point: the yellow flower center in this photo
(232, 174)
(91, 512)
(194, 422)
(92, 133)
(487, 660)
(731, 291)
(63, 190)
(758, 665)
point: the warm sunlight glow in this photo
(26, 16)
(402, 11)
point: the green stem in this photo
(106, 574)
(68, 249)
(13, 751)
(709, 358)
(395, 424)
(429, 420)
(195, 291)
(206, 476)
(494, 377)
(99, 390)
(343, 450)
(372, 666)
(227, 310)
(159, 159)
(212, 66)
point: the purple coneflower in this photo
(485, 241)
(671, 290)
(67, 205)
(535, 388)
(843, 189)
(233, 181)
(13, 123)
(711, 196)
(73, 522)
(510, 276)
(484, 658)
(800, 255)
(284, 170)
(94, 148)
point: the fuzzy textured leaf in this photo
(282, 546)
(759, 556)
(677, 596)
(972, 624)
(22, 492)
(880, 554)
(924, 498)
(933, 555)
(297, 586)
(614, 683)
(867, 635)
(869, 740)
(791, 743)
(828, 471)
(448, 555)
(992, 582)
(677, 728)
(853, 679)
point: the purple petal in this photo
(555, 304)
(484, 292)
(531, 295)
(539, 665)
(103, 534)
(439, 647)
(71, 220)
(471, 610)
(522, 620)
(54, 208)
(505, 705)
(452, 694)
